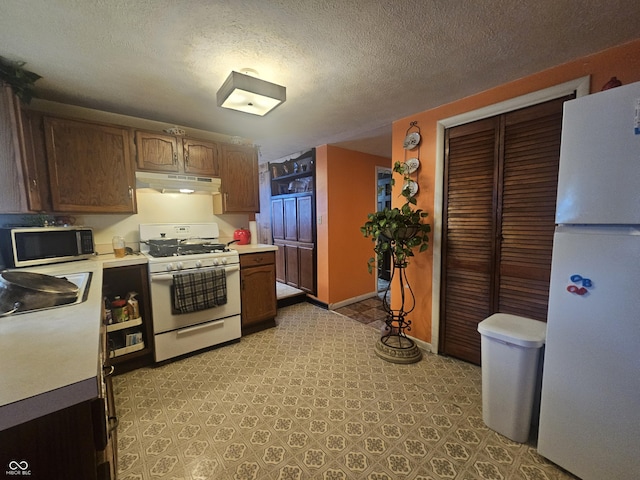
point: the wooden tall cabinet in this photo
(293, 222)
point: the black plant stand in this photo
(394, 345)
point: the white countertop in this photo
(255, 248)
(49, 359)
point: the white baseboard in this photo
(349, 301)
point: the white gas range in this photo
(195, 287)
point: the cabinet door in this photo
(306, 268)
(305, 219)
(18, 188)
(291, 259)
(290, 219)
(239, 172)
(157, 152)
(90, 169)
(258, 295)
(200, 157)
(277, 219)
(281, 274)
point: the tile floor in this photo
(369, 311)
(309, 399)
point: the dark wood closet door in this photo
(500, 193)
(527, 216)
(468, 242)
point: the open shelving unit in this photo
(118, 281)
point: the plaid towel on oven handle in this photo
(197, 291)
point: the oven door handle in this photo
(185, 331)
(169, 276)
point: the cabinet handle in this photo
(175, 158)
(113, 423)
(130, 192)
(108, 370)
(186, 159)
(34, 183)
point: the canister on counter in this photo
(119, 310)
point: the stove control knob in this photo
(198, 263)
(224, 261)
(179, 266)
(216, 261)
(169, 267)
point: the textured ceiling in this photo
(351, 67)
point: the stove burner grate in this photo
(190, 250)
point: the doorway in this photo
(383, 200)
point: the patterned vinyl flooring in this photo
(309, 399)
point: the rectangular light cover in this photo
(250, 94)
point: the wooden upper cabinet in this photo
(201, 157)
(239, 173)
(158, 152)
(90, 167)
(19, 186)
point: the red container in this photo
(243, 236)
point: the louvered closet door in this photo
(469, 235)
(529, 187)
(500, 192)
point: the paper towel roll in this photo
(253, 229)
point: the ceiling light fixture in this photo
(250, 94)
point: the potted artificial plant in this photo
(20, 80)
(398, 230)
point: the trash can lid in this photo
(521, 331)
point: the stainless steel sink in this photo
(81, 279)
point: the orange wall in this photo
(622, 61)
(346, 193)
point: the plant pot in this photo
(401, 233)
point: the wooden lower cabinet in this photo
(281, 264)
(306, 268)
(77, 442)
(258, 285)
(296, 265)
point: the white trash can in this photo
(511, 353)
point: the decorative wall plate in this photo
(411, 186)
(412, 165)
(411, 141)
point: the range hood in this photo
(177, 182)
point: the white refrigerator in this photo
(590, 405)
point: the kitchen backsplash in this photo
(153, 207)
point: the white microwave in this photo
(30, 246)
